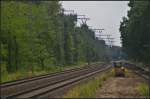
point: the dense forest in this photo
(36, 35)
(135, 31)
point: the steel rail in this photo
(19, 81)
(140, 71)
(71, 73)
(50, 87)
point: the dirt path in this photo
(121, 87)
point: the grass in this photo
(144, 89)
(5, 77)
(24, 74)
(19, 74)
(88, 89)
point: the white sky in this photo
(102, 14)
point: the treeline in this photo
(135, 31)
(37, 35)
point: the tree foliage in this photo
(36, 35)
(135, 31)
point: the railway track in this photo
(23, 80)
(140, 71)
(38, 86)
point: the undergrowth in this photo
(144, 90)
(88, 89)
(5, 76)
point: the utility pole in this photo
(98, 33)
(83, 20)
(68, 12)
(109, 40)
(75, 55)
(65, 25)
(90, 27)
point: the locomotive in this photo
(119, 68)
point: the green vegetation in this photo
(25, 74)
(144, 90)
(135, 32)
(88, 89)
(36, 36)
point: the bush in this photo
(144, 89)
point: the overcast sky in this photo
(102, 14)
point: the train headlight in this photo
(122, 67)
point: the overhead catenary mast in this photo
(109, 40)
(83, 19)
(100, 36)
(98, 33)
(83, 22)
(65, 30)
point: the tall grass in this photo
(5, 76)
(88, 89)
(19, 74)
(144, 90)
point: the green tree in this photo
(135, 31)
